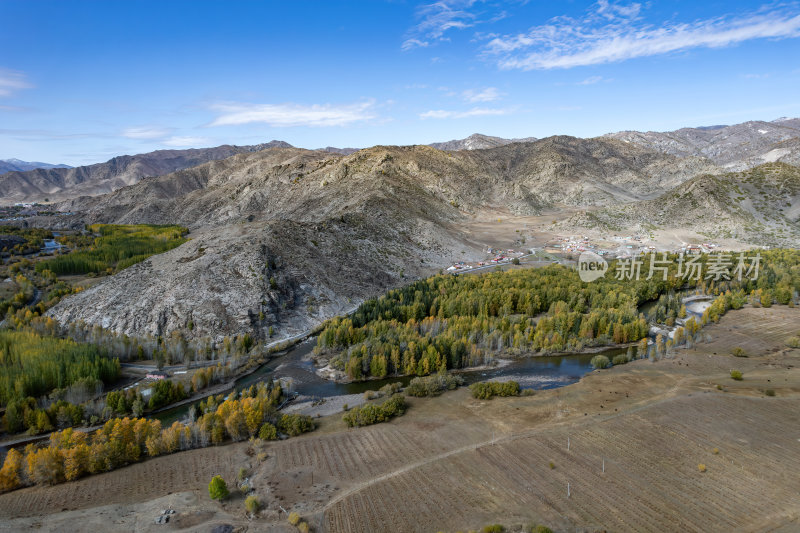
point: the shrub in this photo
(769, 392)
(268, 432)
(541, 529)
(552, 465)
(372, 414)
(433, 385)
(218, 489)
(302, 527)
(620, 359)
(737, 375)
(294, 518)
(488, 389)
(715, 451)
(738, 352)
(793, 342)
(600, 361)
(295, 424)
(252, 504)
(391, 388)
(701, 467)
(494, 528)
(241, 474)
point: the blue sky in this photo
(82, 81)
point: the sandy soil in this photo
(455, 463)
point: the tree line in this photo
(71, 454)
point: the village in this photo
(565, 249)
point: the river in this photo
(535, 372)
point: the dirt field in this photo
(454, 463)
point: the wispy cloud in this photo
(11, 81)
(436, 19)
(145, 132)
(474, 112)
(489, 94)
(613, 32)
(287, 115)
(186, 141)
(591, 80)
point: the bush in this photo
(701, 467)
(302, 527)
(268, 432)
(433, 385)
(769, 392)
(372, 414)
(488, 389)
(294, 518)
(620, 359)
(738, 352)
(218, 489)
(494, 528)
(252, 504)
(600, 361)
(541, 529)
(295, 424)
(737, 375)
(793, 342)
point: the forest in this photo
(114, 248)
(32, 365)
(445, 322)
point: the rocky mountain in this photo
(59, 183)
(476, 141)
(285, 237)
(760, 206)
(11, 165)
(735, 147)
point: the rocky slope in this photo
(60, 183)
(286, 237)
(735, 147)
(760, 206)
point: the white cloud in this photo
(490, 94)
(436, 19)
(187, 141)
(145, 132)
(614, 32)
(591, 80)
(409, 44)
(12, 81)
(474, 112)
(287, 115)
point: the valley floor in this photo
(455, 463)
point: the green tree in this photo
(217, 488)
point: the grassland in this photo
(456, 463)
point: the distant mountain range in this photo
(476, 141)
(736, 147)
(728, 147)
(52, 184)
(10, 165)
